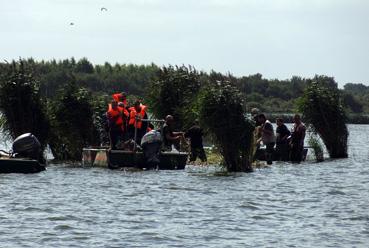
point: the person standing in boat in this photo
(136, 114)
(267, 137)
(117, 117)
(121, 98)
(297, 139)
(169, 136)
(282, 133)
(195, 134)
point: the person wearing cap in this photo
(121, 99)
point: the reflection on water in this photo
(305, 205)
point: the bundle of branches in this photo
(322, 107)
(71, 115)
(222, 113)
(316, 145)
(21, 102)
(175, 92)
(100, 122)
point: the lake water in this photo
(305, 205)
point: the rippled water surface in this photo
(305, 205)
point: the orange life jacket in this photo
(116, 115)
(133, 114)
(117, 97)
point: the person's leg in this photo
(284, 152)
(202, 154)
(278, 152)
(299, 154)
(113, 139)
(295, 154)
(269, 152)
(193, 155)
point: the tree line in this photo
(269, 95)
(70, 115)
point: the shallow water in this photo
(305, 205)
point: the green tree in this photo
(222, 113)
(175, 92)
(322, 107)
(72, 123)
(84, 66)
(21, 104)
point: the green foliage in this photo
(84, 66)
(222, 113)
(175, 93)
(21, 103)
(315, 144)
(72, 123)
(352, 104)
(269, 95)
(99, 106)
(322, 107)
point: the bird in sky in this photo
(103, 9)
(71, 24)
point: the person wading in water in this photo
(297, 139)
(267, 137)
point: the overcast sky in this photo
(277, 38)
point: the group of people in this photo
(125, 124)
(283, 145)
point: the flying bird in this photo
(104, 9)
(71, 24)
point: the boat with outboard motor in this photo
(25, 157)
(149, 155)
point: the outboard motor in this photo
(27, 146)
(151, 144)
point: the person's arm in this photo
(178, 134)
(170, 137)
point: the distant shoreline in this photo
(288, 118)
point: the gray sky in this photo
(277, 38)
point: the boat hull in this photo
(260, 155)
(18, 165)
(115, 159)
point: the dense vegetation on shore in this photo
(73, 111)
(269, 95)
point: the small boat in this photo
(149, 157)
(26, 156)
(260, 154)
(114, 159)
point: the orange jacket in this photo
(116, 115)
(132, 116)
(117, 97)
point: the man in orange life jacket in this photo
(121, 98)
(138, 110)
(117, 117)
